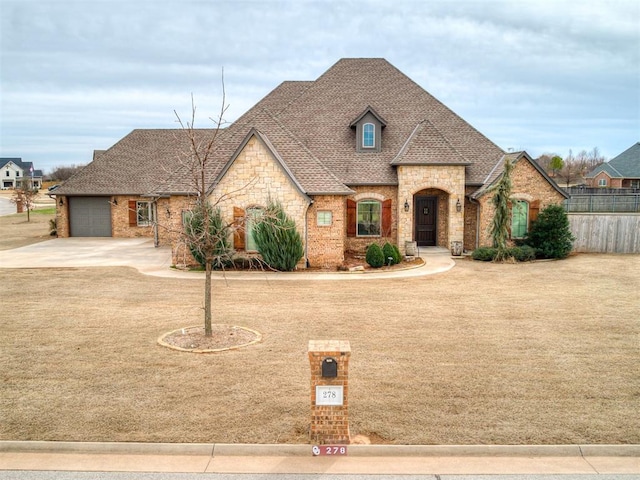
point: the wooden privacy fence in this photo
(605, 232)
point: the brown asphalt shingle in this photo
(308, 124)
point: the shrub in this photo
(392, 252)
(484, 254)
(198, 242)
(524, 253)
(374, 256)
(277, 239)
(397, 255)
(550, 234)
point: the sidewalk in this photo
(360, 459)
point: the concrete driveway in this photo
(140, 254)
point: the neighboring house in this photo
(622, 171)
(14, 170)
(360, 155)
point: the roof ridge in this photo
(405, 145)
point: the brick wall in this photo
(62, 217)
(326, 244)
(528, 185)
(360, 244)
(329, 423)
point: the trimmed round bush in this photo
(374, 256)
(397, 255)
(392, 253)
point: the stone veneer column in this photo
(329, 423)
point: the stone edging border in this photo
(208, 350)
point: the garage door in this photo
(90, 216)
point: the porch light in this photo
(458, 206)
(61, 202)
(115, 201)
(406, 205)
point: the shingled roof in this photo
(625, 165)
(307, 124)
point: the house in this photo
(622, 171)
(362, 154)
(14, 170)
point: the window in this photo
(368, 135)
(368, 218)
(145, 214)
(253, 216)
(519, 218)
(324, 218)
(8, 174)
(17, 173)
(602, 182)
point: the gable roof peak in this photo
(366, 111)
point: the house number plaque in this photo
(329, 395)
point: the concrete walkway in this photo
(140, 254)
(360, 459)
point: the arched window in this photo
(519, 218)
(368, 135)
(369, 218)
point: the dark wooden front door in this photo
(426, 221)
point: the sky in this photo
(541, 76)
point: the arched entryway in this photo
(431, 217)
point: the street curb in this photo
(295, 450)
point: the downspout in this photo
(306, 234)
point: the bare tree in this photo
(25, 194)
(62, 173)
(204, 233)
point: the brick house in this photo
(360, 155)
(622, 171)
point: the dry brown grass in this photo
(541, 353)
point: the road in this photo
(53, 475)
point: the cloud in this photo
(79, 75)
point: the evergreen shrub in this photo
(550, 234)
(374, 256)
(392, 252)
(277, 239)
(484, 254)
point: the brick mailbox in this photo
(329, 361)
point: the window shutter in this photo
(534, 208)
(351, 218)
(386, 218)
(238, 234)
(133, 213)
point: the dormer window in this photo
(368, 135)
(368, 126)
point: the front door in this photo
(426, 220)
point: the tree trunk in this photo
(207, 298)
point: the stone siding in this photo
(255, 177)
(450, 179)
